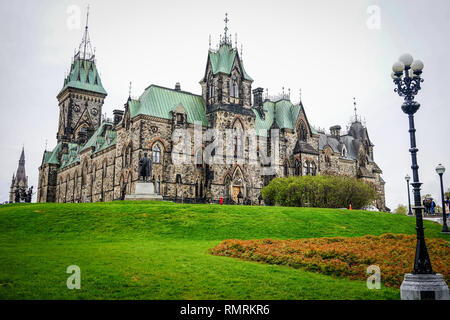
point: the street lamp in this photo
(440, 169)
(407, 178)
(416, 285)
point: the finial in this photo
(209, 42)
(354, 104)
(226, 27)
(235, 40)
(289, 93)
(45, 149)
(282, 88)
(242, 49)
(129, 91)
(300, 94)
(267, 93)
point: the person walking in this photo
(447, 206)
(433, 207)
(424, 203)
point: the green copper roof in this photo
(284, 112)
(159, 101)
(84, 75)
(102, 138)
(222, 60)
(51, 157)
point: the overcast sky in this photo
(332, 50)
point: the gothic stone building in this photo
(97, 159)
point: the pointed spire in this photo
(235, 40)
(300, 94)
(226, 27)
(354, 104)
(209, 42)
(22, 155)
(85, 49)
(242, 49)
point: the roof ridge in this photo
(171, 89)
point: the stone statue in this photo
(29, 194)
(145, 168)
(16, 196)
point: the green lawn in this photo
(159, 250)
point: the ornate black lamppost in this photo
(407, 178)
(440, 169)
(406, 75)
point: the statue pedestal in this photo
(144, 191)
(424, 287)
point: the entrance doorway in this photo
(236, 191)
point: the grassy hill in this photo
(159, 250)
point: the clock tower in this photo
(82, 96)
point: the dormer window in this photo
(180, 118)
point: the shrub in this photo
(401, 209)
(319, 191)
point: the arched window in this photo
(238, 141)
(306, 168)
(302, 132)
(286, 169)
(84, 175)
(235, 87)
(156, 154)
(104, 170)
(327, 160)
(313, 168)
(199, 158)
(210, 87)
(298, 168)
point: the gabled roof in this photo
(159, 102)
(84, 75)
(223, 59)
(284, 112)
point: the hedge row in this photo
(323, 191)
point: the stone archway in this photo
(237, 185)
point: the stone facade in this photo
(98, 160)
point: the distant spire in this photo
(85, 49)
(354, 104)
(20, 174)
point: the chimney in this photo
(257, 97)
(118, 114)
(336, 131)
(177, 86)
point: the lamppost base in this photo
(424, 287)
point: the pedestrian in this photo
(433, 207)
(447, 206)
(424, 203)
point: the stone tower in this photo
(82, 96)
(20, 179)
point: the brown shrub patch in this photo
(342, 257)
